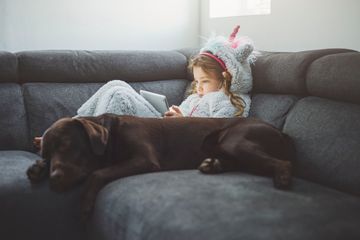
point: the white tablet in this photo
(159, 101)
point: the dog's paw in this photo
(37, 172)
(37, 143)
(282, 176)
(211, 165)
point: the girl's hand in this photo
(174, 112)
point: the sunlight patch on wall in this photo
(231, 8)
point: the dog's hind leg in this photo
(248, 156)
(211, 165)
(252, 157)
(281, 170)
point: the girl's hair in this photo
(209, 65)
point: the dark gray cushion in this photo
(34, 212)
(327, 139)
(189, 53)
(190, 205)
(13, 119)
(272, 108)
(100, 66)
(285, 73)
(336, 77)
(8, 67)
(48, 102)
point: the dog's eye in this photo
(64, 144)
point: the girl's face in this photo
(205, 82)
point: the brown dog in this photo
(105, 148)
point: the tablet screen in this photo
(158, 101)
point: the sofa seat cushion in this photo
(190, 205)
(34, 212)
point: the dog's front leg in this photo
(38, 172)
(98, 179)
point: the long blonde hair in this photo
(209, 65)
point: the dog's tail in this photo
(289, 145)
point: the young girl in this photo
(211, 95)
(222, 82)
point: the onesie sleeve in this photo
(185, 105)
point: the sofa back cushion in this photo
(8, 67)
(272, 108)
(13, 120)
(100, 66)
(335, 76)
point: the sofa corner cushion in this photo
(285, 73)
(327, 139)
(190, 205)
(335, 76)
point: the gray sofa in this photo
(313, 96)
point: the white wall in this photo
(95, 24)
(295, 25)
(169, 24)
(2, 24)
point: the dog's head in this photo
(72, 147)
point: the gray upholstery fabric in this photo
(8, 67)
(100, 66)
(272, 108)
(327, 139)
(13, 119)
(336, 77)
(189, 53)
(39, 87)
(47, 102)
(284, 73)
(34, 212)
(190, 205)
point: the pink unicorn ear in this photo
(232, 37)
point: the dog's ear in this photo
(98, 135)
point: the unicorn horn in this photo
(233, 34)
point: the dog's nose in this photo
(57, 175)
